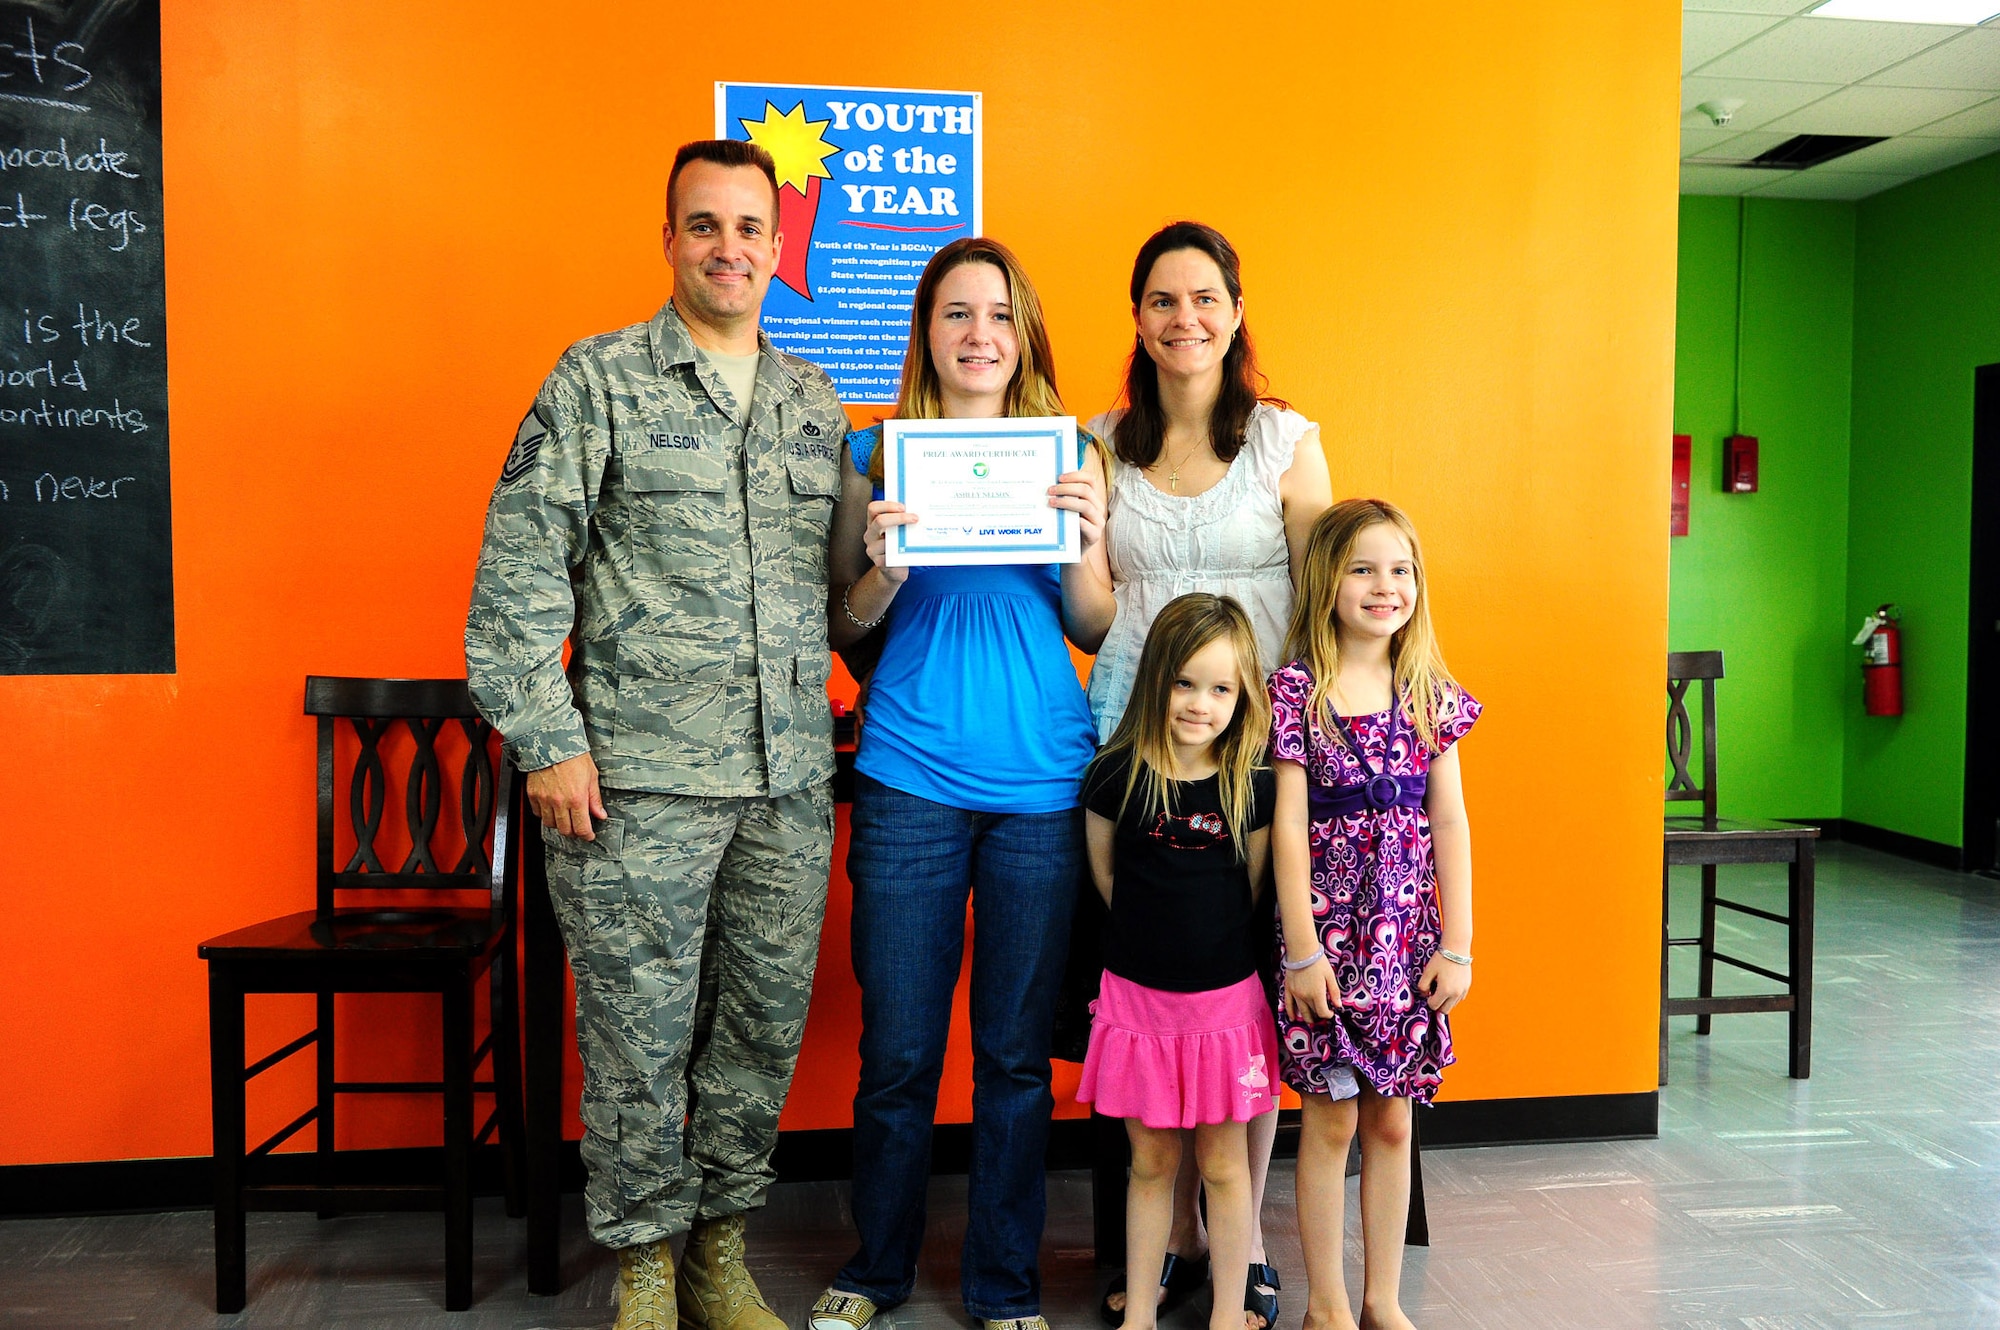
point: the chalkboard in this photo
(86, 536)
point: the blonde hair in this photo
(1416, 664)
(1185, 626)
(1033, 389)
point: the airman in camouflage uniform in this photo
(675, 536)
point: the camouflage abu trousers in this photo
(693, 927)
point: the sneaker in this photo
(840, 1311)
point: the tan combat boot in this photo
(715, 1290)
(646, 1287)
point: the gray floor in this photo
(1866, 1197)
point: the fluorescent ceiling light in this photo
(1962, 13)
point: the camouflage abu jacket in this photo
(688, 573)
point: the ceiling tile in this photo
(1762, 102)
(1735, 148)
(1915, 156)
(1866, 109)
(1706, 36)
(1832, 50)
(1982, 121)
(1819, 183)
(1971, 60)
(1752, 6)
(1929, 89)
(1724, 179)
(1698, 140)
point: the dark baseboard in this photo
(134, 1186)
(1935, 853)
(1543, 1120)
(828, 1156)
(125, 1186)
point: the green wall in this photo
(1926, 314)
(1763, 576)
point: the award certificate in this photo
(980, 490)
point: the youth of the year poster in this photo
(872, 182)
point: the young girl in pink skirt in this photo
(1177, 807)
(1373, 861)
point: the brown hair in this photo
(1418, 670)
(1143, 427)
(1186, 625)
(723, 152)
(1033, 389)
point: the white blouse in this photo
(1229, 540)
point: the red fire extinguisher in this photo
(1881, 640)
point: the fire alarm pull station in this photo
(1739, 464)
(1677, 501)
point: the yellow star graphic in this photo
(794, 142)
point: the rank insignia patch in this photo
(527, 447)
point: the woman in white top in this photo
(1215, 490)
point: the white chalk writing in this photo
(118, 416)
(52, 67)
(124, 222)
(60, 158)
(50, 487)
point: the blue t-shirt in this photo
(975, 703)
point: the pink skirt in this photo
(1180, 1059)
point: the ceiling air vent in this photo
(1803, 150)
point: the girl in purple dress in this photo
(1373, 864)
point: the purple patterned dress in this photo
(1374, 898)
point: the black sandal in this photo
(1110, 1315)
(1257, 1302)
(1180, 1276)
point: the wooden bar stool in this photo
(545, 1017)
(1708, 841)
(441, 948)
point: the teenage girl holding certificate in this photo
(966, 782)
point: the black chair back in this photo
(1684, 669)
(480, 789)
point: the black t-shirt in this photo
(1180, 902)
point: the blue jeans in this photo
(911, 863)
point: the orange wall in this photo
(385, 221)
